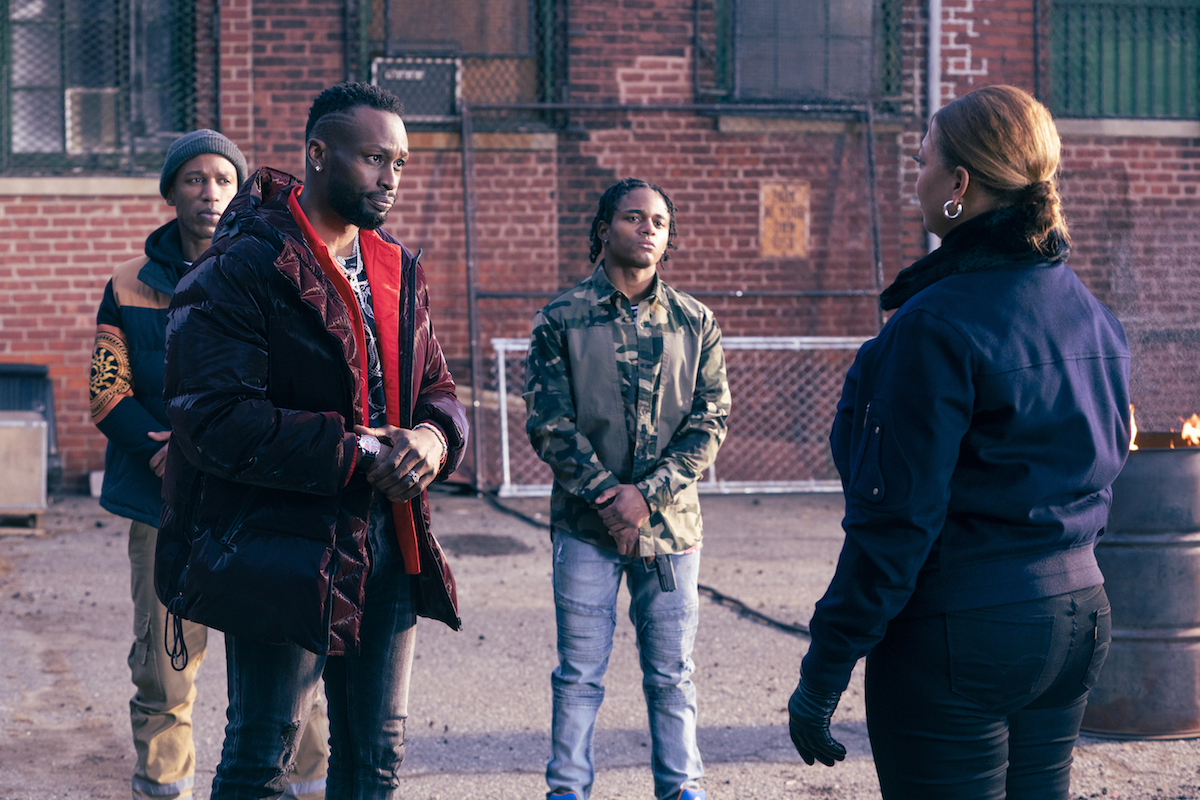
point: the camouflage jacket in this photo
(612, 400)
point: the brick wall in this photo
(1131, 200)
(714, 178)
(56, 254)
(606, 37)
(237, 75)
(1133, 205)
(515, 238)
(276, 56)
(297, 51)
(985, 42)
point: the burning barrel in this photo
(1150, 555)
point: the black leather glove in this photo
(809, 712)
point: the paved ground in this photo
(480, 700)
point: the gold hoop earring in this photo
(946, 209)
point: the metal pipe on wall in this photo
(933, 80)
(695, 46)
(387, 28)
(873, 190)
(350, 40)
(468, 185)
(216, 73)
(1038, 90)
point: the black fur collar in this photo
(992, 240)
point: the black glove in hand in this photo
(809, 712)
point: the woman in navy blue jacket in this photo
(977, 438)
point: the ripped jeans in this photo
(271, 690)
(586, 580)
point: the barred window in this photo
(94, 84)
(475, 51)
(1125, 58)
(801, 50)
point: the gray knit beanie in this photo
(196, 143)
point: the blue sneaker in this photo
(690, 794)
(562, 794)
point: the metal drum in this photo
(1150, 556)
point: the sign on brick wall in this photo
(783, 220)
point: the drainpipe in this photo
(933, 78)
(469, 230)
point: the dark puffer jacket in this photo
(977, 438)
(264, 382)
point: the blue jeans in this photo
(586, 580)
(985, 704)
(271, 689)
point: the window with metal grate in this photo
(473, 51)
(1125, 58)
(807, 51)
(101, 85)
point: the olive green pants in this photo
(161, 710)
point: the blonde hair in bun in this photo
(1007, 141)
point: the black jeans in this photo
(985, 704)
(271, 689)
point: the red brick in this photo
(534, 209)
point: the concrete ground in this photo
(480, 706)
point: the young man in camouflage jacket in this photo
(627, 402)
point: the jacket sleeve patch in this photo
(111, 378)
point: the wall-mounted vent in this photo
(430, 88)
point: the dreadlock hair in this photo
(608, 206)
(335, 103)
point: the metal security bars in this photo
(807, 51)
(785, 392)
(513, 52)
(101, 85)
(470, 51)
(1125, 58)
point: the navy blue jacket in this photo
(977, 438)
(126, 383)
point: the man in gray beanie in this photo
(203, 171)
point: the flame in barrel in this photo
(1191, 430)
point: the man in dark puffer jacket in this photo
(200, 175)
(311, 406)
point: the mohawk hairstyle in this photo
(608, 206)
(336, 101)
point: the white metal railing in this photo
(768, 416)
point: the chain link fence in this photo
(103, 85)
(785, 392)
